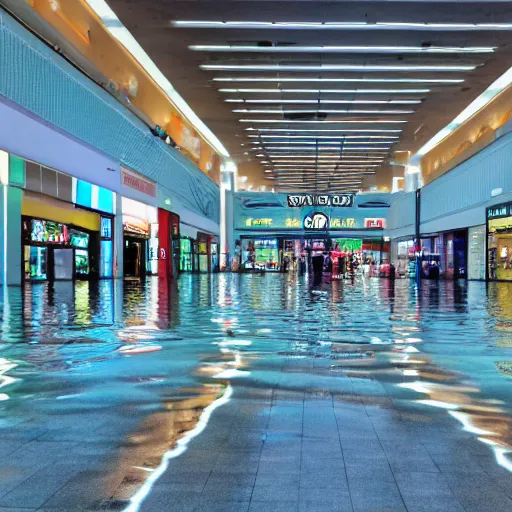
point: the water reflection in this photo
(126, 373)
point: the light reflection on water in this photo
(125, 370)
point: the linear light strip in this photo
(481, 101)
(288, 79)
(335, 25)
(313, 137)
(319, 110)
(121, 33)
(336, 67)
(287, 149)
(324, 91)
(320, 130)
(323, 102)
(341, 121)
(340, 49)
(322, 142)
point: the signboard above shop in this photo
(339, 200)
(500, 210)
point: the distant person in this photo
(392, 271)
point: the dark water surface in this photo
(99, 380)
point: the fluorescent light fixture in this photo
(322, 110)
(339, 49)
(337, 67)
(481, 101)
(301, 148)
(121, 33)
(320, 130)
(339, 25)
(321, 137)
(324, 102)
(341, 121)
(313, 143)
(443, 81)
(325, 91)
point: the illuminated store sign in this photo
(340, 200)
(500, 210)
(343, 223)
(137, 182)
(375, 223)
(316, 220)
(258, 223)
(292, 223)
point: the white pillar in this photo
(118, 239)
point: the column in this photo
(11, 199)
(118, 239)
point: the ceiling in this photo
(320, 104)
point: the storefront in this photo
(65, 240)
(499, 242)
(444, 255)
(168, 243)
(140, 239)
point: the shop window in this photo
(106, 227)
(106, 258)
(35, 263)
(49, 182)
(33, 176)
(81, 262)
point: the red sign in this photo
(132, 180)
(375, 223)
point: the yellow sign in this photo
(343, 223)
(258, 222)
(292, 223)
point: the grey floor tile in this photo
(275, 492)
(274, 506)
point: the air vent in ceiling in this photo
(306, 116)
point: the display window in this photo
(53, 250)
(186, 261)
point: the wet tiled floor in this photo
(256, 393)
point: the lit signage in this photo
(258, 223)
(500, 210)
(343, 223)
(292, 223)
(137, 182)
(339, 200)
(375, 223)
(316, 220)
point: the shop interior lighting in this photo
(309, 121)
(340, 49)
(481, 101)
(238, 79)
(286, 149)
(322, 110)
(337, 67)
(121, 33)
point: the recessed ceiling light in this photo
(337, 67)
(340, 49)
(301, 79)
(338, 25)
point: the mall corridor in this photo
(255, 256)
(257, 392)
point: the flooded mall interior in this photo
(255, 256)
